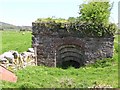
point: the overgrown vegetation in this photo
(92, 22)
(84, 29)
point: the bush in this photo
(95, 12)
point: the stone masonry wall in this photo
(56, 47)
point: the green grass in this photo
(103, 72)
(15, 40)
(44, 77)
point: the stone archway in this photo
(69, 55)
(56, 45)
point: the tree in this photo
(96, 15)
(95, 12)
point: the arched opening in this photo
(70, 63)
(69, 55)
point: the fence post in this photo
(35, 49)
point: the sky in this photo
(24, 12)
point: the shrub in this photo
(95, 12)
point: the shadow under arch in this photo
(70, 63)
(69, 55)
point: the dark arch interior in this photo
(69, 55)
(70, 63)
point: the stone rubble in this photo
(17, 61)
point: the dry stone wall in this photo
(60, 47)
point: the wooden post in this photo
(55, 58)
(35, 51)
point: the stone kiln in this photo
(58, 47)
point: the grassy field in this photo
(45, 77)
(103, 72)
(15, 40)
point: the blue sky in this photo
(24, 12)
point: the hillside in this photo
(4, 26)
